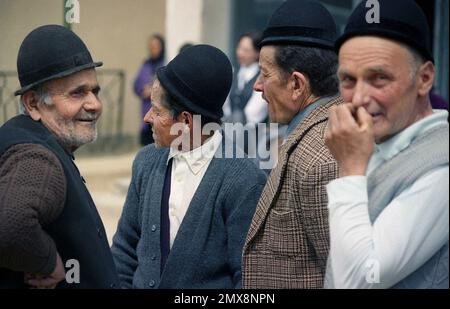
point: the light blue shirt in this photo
(390, 148)
(305, 113)
(404, 235)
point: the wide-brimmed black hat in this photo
(400, 20)
(199, 78)
(50, 52)
(301, 22)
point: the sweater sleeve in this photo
(128, 234)
(32, 195)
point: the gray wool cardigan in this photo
(207, 250)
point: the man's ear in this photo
(299, 83)
(187, 118)
(30, 101)
(425, 78)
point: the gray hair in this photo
(416, 60)
(43, 98)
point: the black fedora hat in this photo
(301, 22)
(50, 52)
(199, 78)
(400, 20)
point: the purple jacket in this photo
(145, 76)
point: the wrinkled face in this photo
(154, 48)
(275, 88)
(75, 110)
(377, 74)
(245, 53)
(160, 118)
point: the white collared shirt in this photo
(188, 169)
(406, 233)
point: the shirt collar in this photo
(402, 140)
(305, 112)
(198, 157)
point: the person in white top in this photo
(389, 208)
(244, 105)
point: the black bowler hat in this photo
(199, 78)
(50, 52)
(400, 20)
(301, 22)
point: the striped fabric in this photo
(288, 241)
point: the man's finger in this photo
(345, 116)
(364, 119)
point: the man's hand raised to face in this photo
(349, 136)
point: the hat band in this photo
(299, 31)
(55, 68)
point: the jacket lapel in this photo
(274, 183)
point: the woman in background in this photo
(144, 80)
(246, 106)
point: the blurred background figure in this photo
(245, 105)
(144, 80)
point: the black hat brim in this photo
(59, 75)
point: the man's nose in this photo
(258, 86)
(148, 118)
(361, 95)
(93, 103)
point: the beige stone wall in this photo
(115, 31)
(17, 18)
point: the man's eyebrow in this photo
(94, 88)
(377, 70)
(374, 70)
(343, 72)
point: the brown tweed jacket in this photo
(287, 243)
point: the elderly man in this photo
(189, 206)
(389, 207)
(47, 217)
(287, 244)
